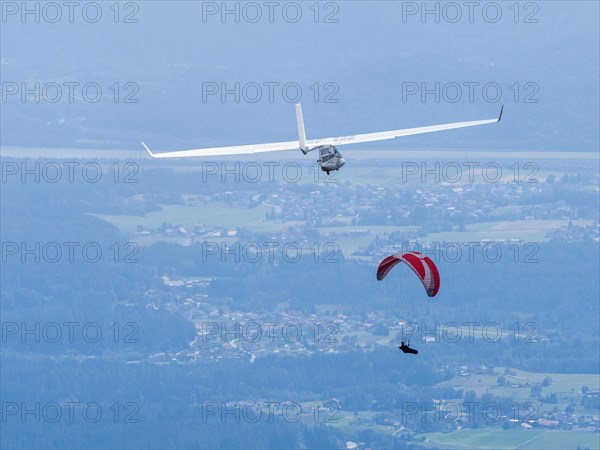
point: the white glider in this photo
(330, 158)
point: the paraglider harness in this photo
(406, 348)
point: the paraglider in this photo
(422, 265)
(425, 269)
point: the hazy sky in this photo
(355, 66)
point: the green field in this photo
(561, 382)
(567, 387)
(231, 217)
(525, 230)
(215, 214)
(509, 439)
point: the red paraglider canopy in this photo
(422, 265)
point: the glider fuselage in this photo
(330, 158)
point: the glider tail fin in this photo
(301, 132)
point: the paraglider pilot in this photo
(406, 348)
